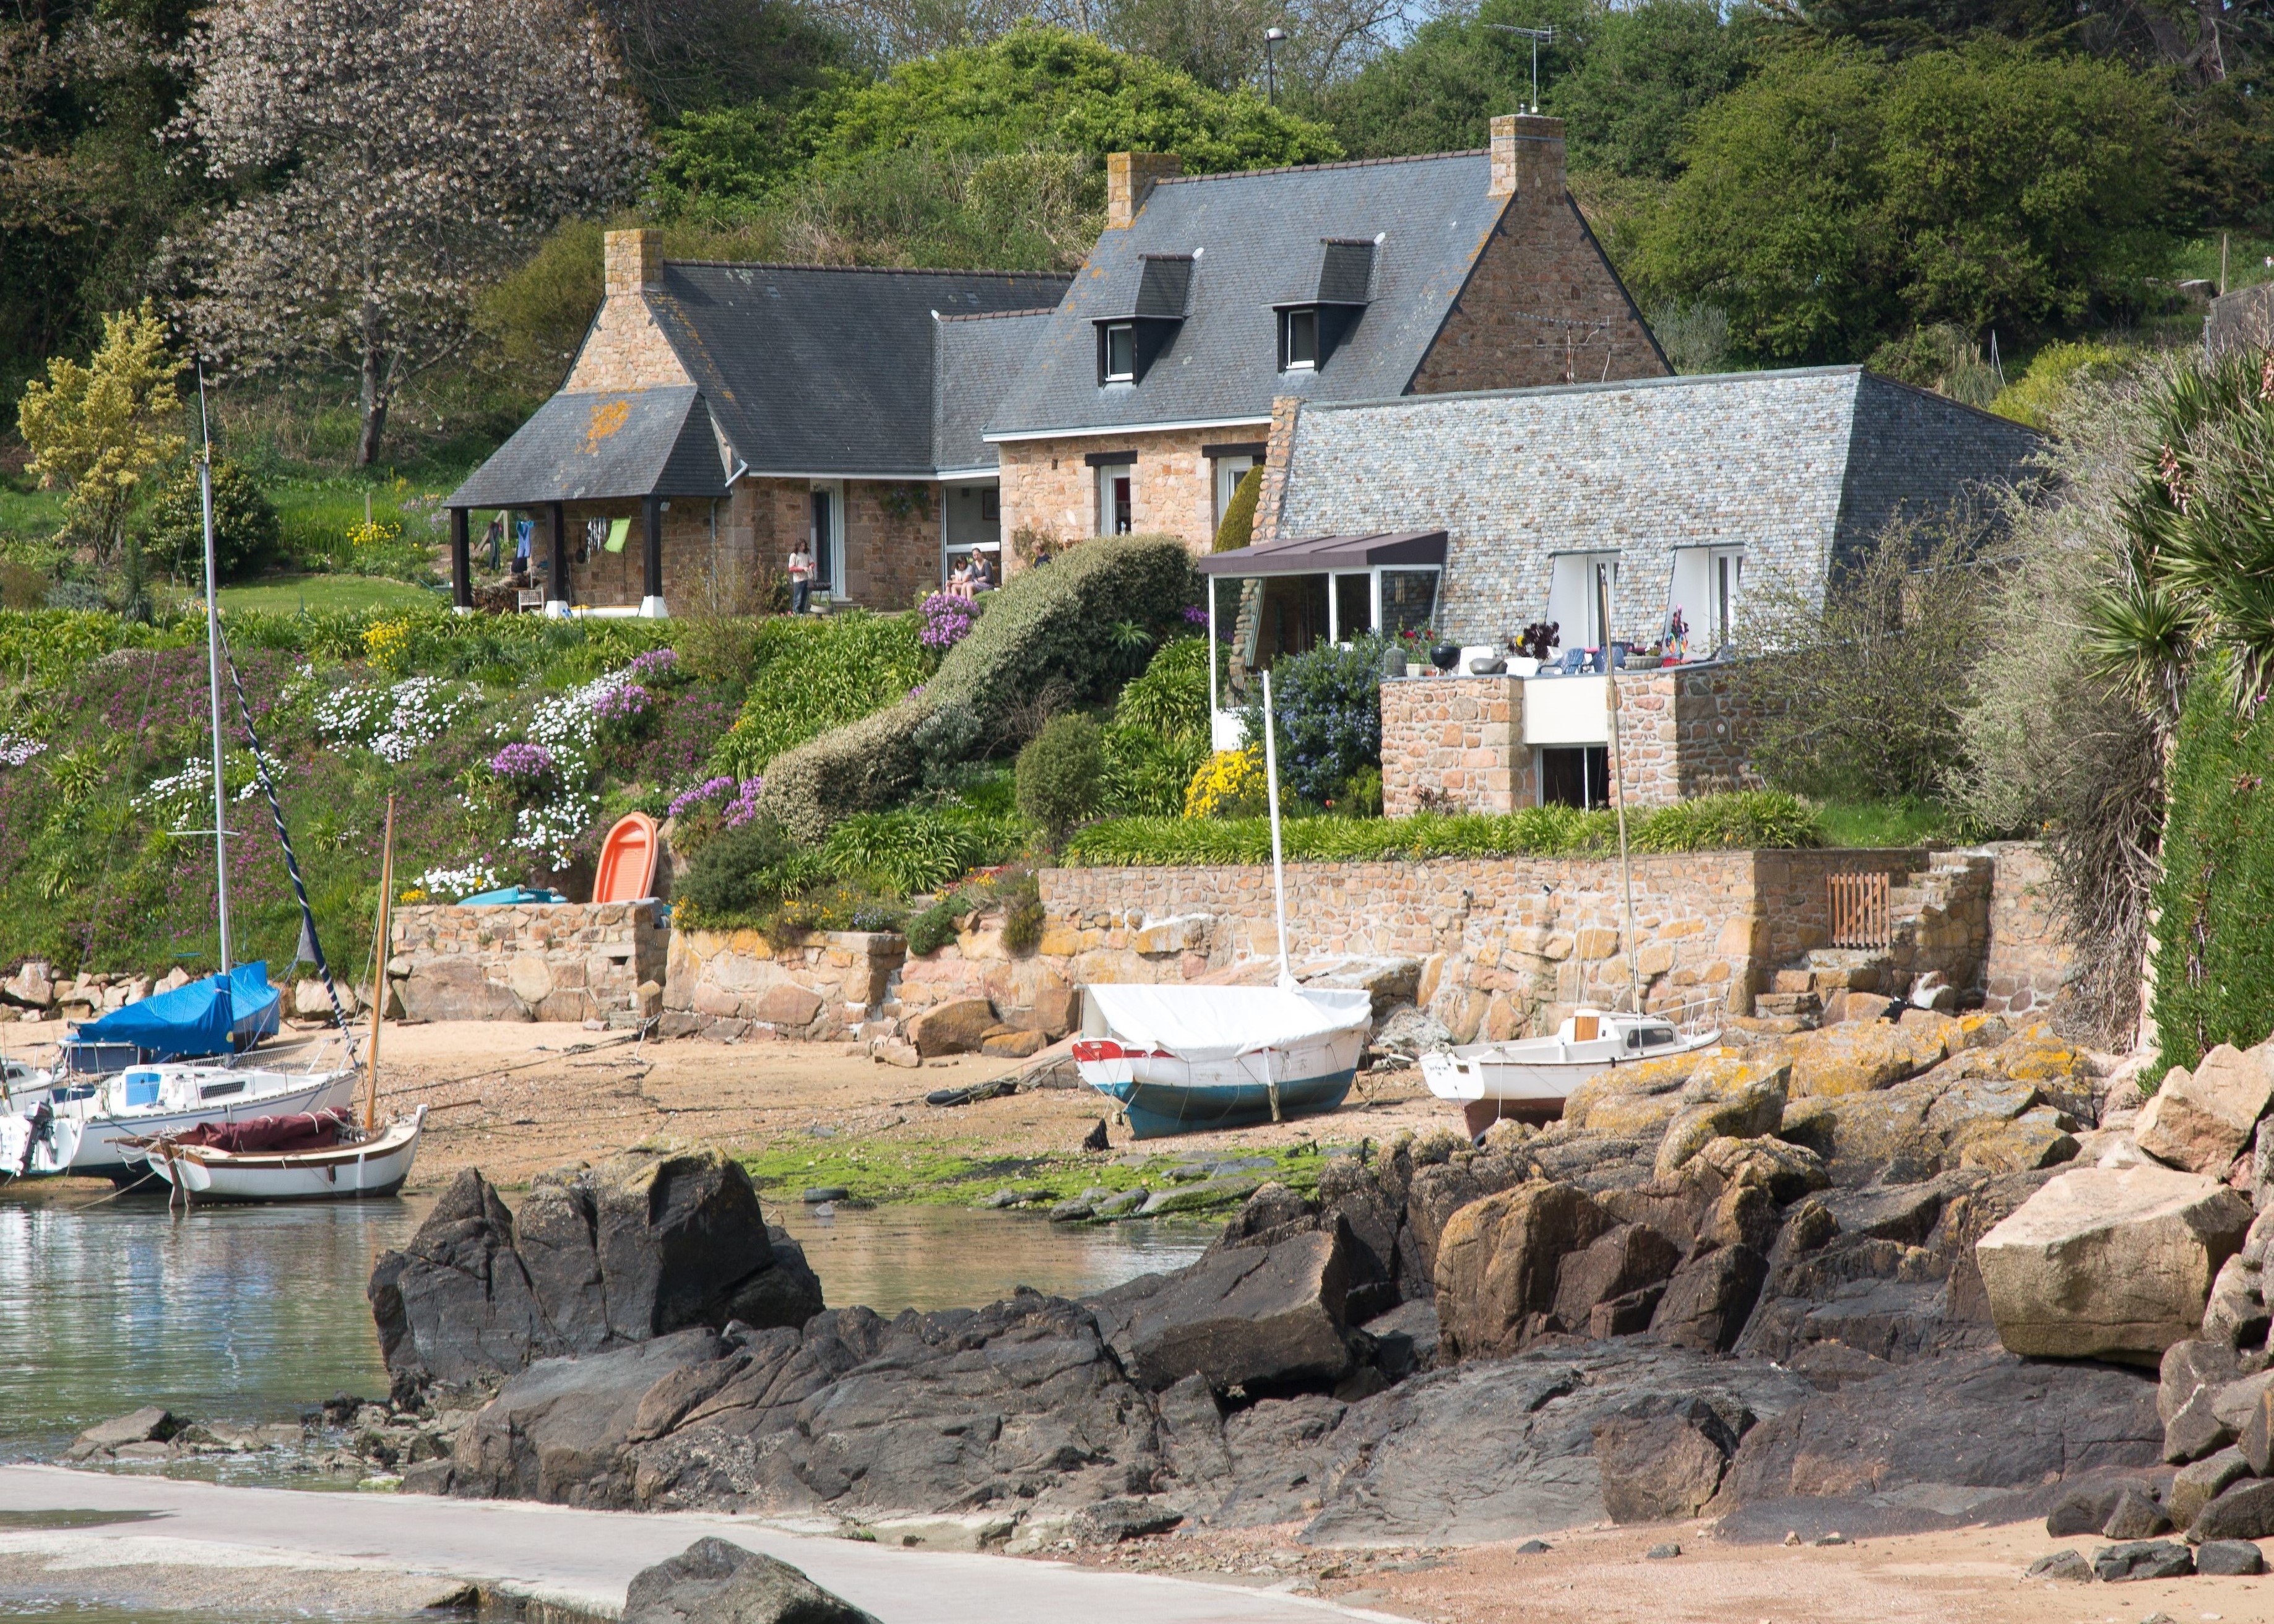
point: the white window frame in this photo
(1694, 584)
(1287, 361)
(1103, 486)
(1226, 472)
(1575, 572)
(1106, 373)
(833, 560)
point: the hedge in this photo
(1045, 626)
(1751, 820)
(2215, 954)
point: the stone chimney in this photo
(635, 260)
(1130, 178)
(1527, 156)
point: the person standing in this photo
(800, 576)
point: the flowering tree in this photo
(387, 158)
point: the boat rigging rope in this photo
(284, 838)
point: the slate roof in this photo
(978, 360)
(602, 446)
(1262, 240)
(1800, 467)
(825, 370)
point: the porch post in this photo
(558, 603)
(461, 568)
(651, 537)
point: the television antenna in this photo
(1538, 37)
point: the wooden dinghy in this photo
(354, 1165)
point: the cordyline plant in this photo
(387, 158)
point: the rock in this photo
(2033, 1139)
(2192, 1365)
(1210, 1192)
(1661, 1457)
(1111, 1521)
(1659, 1552)
(2160, 1559)
(1785, 1171)
(1641, 1098)
(2109, 1264)
(558, 1430)
(1743, 1109)
(33, 986)
(1709, 1297)
(2069, 1566)
(957, 1028)
(2256, 1442)
(713, 1582)
(455, 989)
(1015, 1045)
(1122, 1206)
(2194, 1432)
(2236, 1314)
(2201, 1120)
(1534, 1547)
(1860, 1057)
(1859, 1136)
(1410, 1032)
(893, 1052)
(1243, 1316)
(2135, 1516)
(2198, 1485)
(786, 1006)
(455, 1302)
(151, 1424)
(1497, 1263)
(2235, 1402)
(1617, 1264)
(2084, 1511)
(2243, 1510)
(2229, 1559)
(1056, 1012)
(310, 1001)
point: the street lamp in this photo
(1273, 38)
(1538, 36)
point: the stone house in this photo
(1149, 391)
(719, 414)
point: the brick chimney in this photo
(635, 260)
(1527, 156)
(1130, 178)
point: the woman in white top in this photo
(800, 577)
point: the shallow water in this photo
(255, 1313)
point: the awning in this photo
(604, 447)
(1310, 554)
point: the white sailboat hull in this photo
(1531, 1079)
(36, 1150)
(377, 1167)
(100, 1154)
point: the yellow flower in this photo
(387, 643)
(374, 533)
(1229, 784)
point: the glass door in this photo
(826, 536)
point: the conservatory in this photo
(1287, 597)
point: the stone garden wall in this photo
(732, 984)
(1457, 742)
(538, 961)
(1684, 732)
(2028, 963)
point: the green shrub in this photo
(1042, 628)
(935, 927)
(817, 672)
(1238, 526)
(1058, 774)
(1172, 696)
(742, 876)
(1328, 701)
(912, 850)
(2214, 954)
(1145, 772)
(245, 532)
(1744, 820)
(1021, 896)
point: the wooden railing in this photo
(1861, 914)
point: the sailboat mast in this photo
(379, 981)
(1278, 875)
(213, 677)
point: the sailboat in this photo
(181, 1047)
(313, 1156)
(1184, 1059)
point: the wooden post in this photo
(462, 564)
(385, 951)
(557, 591)
(652, 551)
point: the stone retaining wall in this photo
(732, 984)
(2028, 963)
(1457, 741)
(537, 961)
(1684, 732)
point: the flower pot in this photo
(1446, 657)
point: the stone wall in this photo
(735, 984)
(538, 961)
(1684, 732)
(1456, 740)
(1049, 490)
(2028, 964)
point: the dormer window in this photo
(1298, 341)
(1117, 353)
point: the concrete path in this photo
(581, 1558)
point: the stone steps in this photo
(1920, 904)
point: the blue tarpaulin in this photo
(208, 1017)
(511, 895)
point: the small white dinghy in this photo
(37, 1145)
(1530, 1079)
(354, 1166)
(1183, 1059)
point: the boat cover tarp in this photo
(1215, 1023)
(300, 1131)
(207, 1017)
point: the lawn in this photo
(1883, 823)
(292, 594)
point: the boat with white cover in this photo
(153, 1101)
(1181, 1059)
(352, 1166)
(1530, 1079)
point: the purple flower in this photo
(946, 620)
(655, 665)
(1195, 615)
(708, 790)
(626, 704)
(744, 807)
(522, 762)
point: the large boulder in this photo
(1710, 1298)
(1498, 1261)
(958, 1028)
(2110, 1263)
(1744, 1104)
(1860, 1057)
(1662, 1456)
(455, 1302)
(713, 1582)
(1243, 1316)
(2201, 1120)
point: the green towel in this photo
(618, 529)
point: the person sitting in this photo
(981, 578)
(958, 579)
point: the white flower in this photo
(454, 884)
(16, 749)
(393, 723)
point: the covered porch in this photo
(621, 459)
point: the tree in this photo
(97, 430)
(246, 534)
(387, 158)
(1838, 198)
